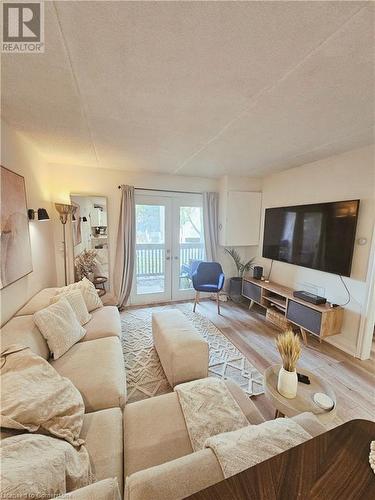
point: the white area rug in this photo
(145, 376)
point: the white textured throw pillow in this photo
(76, 300)
(89, 292)
(59, 326)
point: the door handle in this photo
(167, 258)
(175, 258)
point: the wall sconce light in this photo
(42, 214)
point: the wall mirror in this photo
(90, 240)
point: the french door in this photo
(169, 236)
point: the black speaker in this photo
(257, 272)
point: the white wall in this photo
(346, 176)
(236, 183)
(20, 156)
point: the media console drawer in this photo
(304, 316)
(251, 291)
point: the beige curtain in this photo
(210, 224)
(125, 248)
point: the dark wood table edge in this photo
(211, 492)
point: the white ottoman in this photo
(182, 351)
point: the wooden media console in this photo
(319, 320)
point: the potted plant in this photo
(235, 283)
(289, 347)
(85, 264)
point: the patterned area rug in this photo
(145, 375)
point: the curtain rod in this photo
(165, 190)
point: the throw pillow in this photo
(35, 397)
(59, 326)
(89, 292)
(76, 300)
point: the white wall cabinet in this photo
(239, 218)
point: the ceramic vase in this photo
(287, 383)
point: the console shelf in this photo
(277, 301)
(320, 320)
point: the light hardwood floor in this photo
(353, 380)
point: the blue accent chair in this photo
(208, 277)
(187, 270)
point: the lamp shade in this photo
(63, 210)
(42, 214)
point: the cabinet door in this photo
(251, 291)
(304, 316)
(242, 218)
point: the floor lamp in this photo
(64, 211)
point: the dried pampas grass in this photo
(289, 347)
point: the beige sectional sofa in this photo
(146, 441)
(158, 457)
(95, 366)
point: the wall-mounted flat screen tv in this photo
(319, 236)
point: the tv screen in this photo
(319, 236)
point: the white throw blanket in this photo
(34, 397)
(41, 467)
(243, 448)
(209, 409)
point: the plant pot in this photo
(287, 383)
(235, 289)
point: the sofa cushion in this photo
(106, 489)
(176, 479)
(105, 322)
(155, 432)
(22, 330)
(103, 435)
(149, 422)
(97, 369)
(38, 302)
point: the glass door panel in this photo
(188, 243)
(152, 276)
(169, 238)
(191, 243)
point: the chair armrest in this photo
(221, 281)
(194, 279)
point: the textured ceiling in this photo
(196, 88)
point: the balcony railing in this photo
(150, 257)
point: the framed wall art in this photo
(16, 259)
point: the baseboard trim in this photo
(342, 344)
